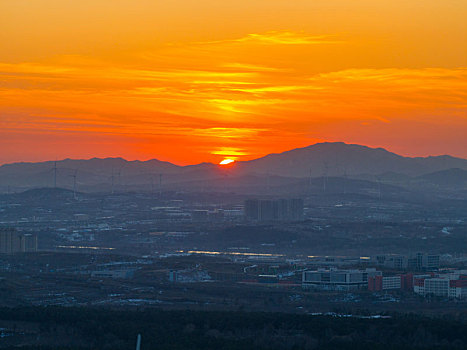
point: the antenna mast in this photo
(309, 180)
(119, 176)
(345, 180)
(74, 183)
(379, 187)
(325, 179)
(113, 181)
(160, 185)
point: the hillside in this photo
(337, 159)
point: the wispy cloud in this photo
(223, 104)
(251, 67)
(284, 37)
(230, 152)
(290, 38)
(228, 133)
(277, 88)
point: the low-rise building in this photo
(336, 279)
(119, 274)
(380, 283)
(448, 285)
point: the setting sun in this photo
(226, 161)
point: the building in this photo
(335, 279)
(380, 283)
(421, 262)
(273, 209)
(282, 209)
(6, 240)
(117, 274)
(448, 285)
(29, 242)
(267, 210)
(407, 282)
(251, 209)
(173, 276)
(414, 262)
(402, 282)
(11, 241)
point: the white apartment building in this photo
(393, 282)
(450, 285)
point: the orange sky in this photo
(190, 81)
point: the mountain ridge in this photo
(333, 159)
(245, 161)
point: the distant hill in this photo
(339, 160)
(447, 178)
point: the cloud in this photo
(251, 67)
(396, 75)
(228, 133)
(224, 103)
(274, 37)
(289, 38)
(277, 88)
(230, 151)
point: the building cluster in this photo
(413, 262)
(274, 209)
(448, 285)
(11, 241)
(177, 212)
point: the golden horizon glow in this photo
(187, 82)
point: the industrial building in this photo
(336, 279)
(11, 241)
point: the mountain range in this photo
(296, 167)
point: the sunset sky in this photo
(190, 81)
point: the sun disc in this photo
(226, 161)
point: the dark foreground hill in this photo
(85, 328)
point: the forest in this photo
(59, 328)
